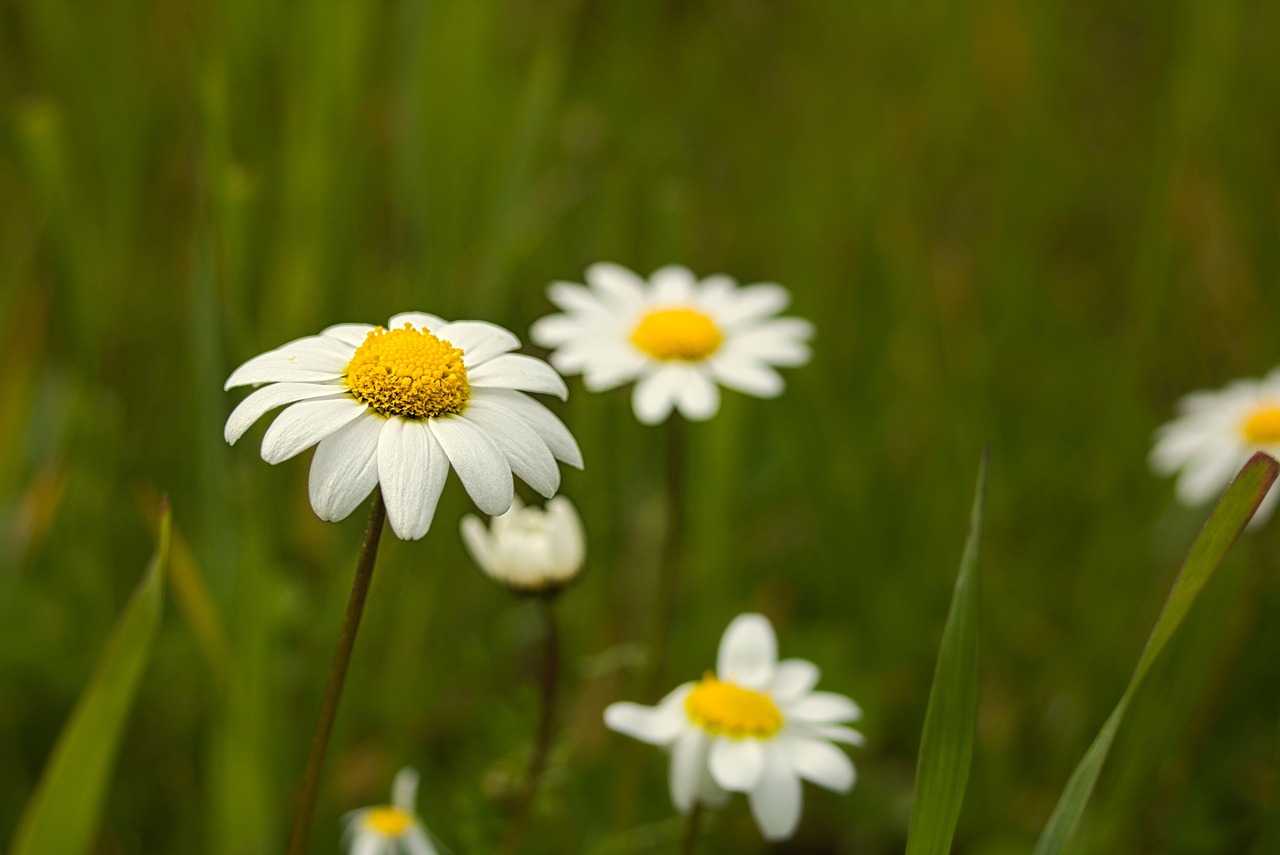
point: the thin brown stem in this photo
(549, 681)
(669, 574)
(692, 824)
(337, 676)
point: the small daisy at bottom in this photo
(392, 829)
(755, 726)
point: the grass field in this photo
(1028, 225)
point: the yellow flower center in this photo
(679, 333)
(725, 709)
(408, 372)
(1263, 425)
(389, 821)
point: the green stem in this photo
(669, 573)
(337, 676)
(692, 825)
(549, 681)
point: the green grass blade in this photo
(1229, 517)
(63, 814)
(946, 744)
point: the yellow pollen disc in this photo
(409, 373)
(388, 820)
(725, 709)
(1263, 425)
(680, 333)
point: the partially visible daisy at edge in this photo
(392, 829)
(679, 338)
(396, 408)
(755, 726)
(1214, 435)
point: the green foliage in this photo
(946, 743)
(63, 814)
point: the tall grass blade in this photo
(946, 744)
(63, 814)
(1229, 517)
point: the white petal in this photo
(655, 395)
(543, 421)
(479, 542)
(660, 725)
(412, 468)
(1176, 443)
(404, 790)
(736, 764)
(570, 539)
(555, 330)
(261, 401)
(417, 843)
(820, 762)
(352, 335)
(746, 375)
(418, 320)
(579, 301)
(619, 285)
(824, 708)
(748, 652)
(699, 396)
(304, 424)
(795, 677)
(1209, 472)
(777, 802)
(526, 452)
(480, 341)
(481, 465)
(672, 285)
(309, 360)
(367, 843)
(753, 302)
(688, 764)
(344, 470)
(612, 366)
(517, 371)
(832, 733)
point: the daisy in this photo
(529, 550)
(392, 829)
(755, 726)
(1214, 435)
(398, 407)
(677, 337)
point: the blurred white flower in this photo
(755, 726)
(397, 407)
(528, 549)
(1215, 434)
(676, 336)
(392, 829)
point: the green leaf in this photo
(1229, 517)
(63, 814)
(946, 745)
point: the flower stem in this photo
(337, 676)
(669, 573)
(692, 824)
(549, 680)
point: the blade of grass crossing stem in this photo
(946, 744)
(63, 814)
(1229, 517)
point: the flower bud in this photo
(530, 550)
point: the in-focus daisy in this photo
(677, 337)
(530, 550)
(392, 829)
(398, 407)
(1214, 435)
(755, 726)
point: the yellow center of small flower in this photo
(679, 333)
(390, 821)
(1263, 425)
(726, 709)
(408, 372)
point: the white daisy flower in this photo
(528, 549)
(755, 726)
(397, 407)
(392, 829)
(1215, 434)
(676, 336)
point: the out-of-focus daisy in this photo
(1214, 435)
(754, 726)
(530, 550)
(392, 829)
(677, 337)
(398, 407)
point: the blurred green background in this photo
(1032, 225)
